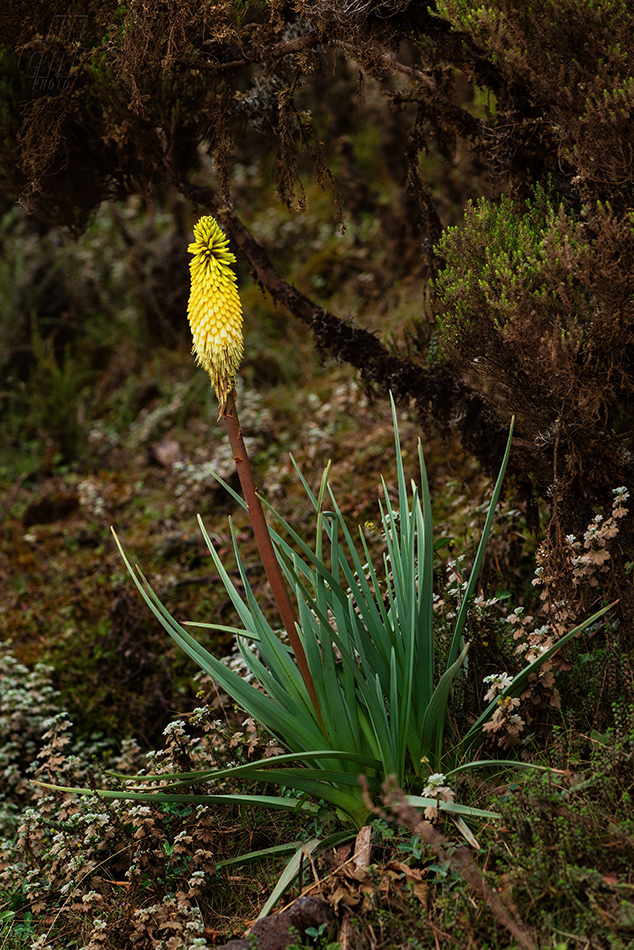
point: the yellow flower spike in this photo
(214, 309)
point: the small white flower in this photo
(435, 789)
(177, 727)
(436, 780)
(498, 682)
(500, 679)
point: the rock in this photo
(282, 930)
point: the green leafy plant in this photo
(370, 646)
(369, 643)
(352, 693)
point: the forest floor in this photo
(555, 871)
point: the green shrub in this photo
(536, 304)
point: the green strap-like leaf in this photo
(432, 732)
(477, 564)
(451, 807)
(267, 801)
(291, 870)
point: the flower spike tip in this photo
(214, 309)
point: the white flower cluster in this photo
(497, 682)
(438, 789)
(589, 556)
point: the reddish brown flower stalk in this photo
(265, 545)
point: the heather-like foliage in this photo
(538, 303)
(557, 848)
(574, 57)
(27, 701)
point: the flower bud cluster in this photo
(214, 309)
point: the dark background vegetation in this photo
(433, 199)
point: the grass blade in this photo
(477, 564)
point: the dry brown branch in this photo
(462, 119)
(262, 54)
